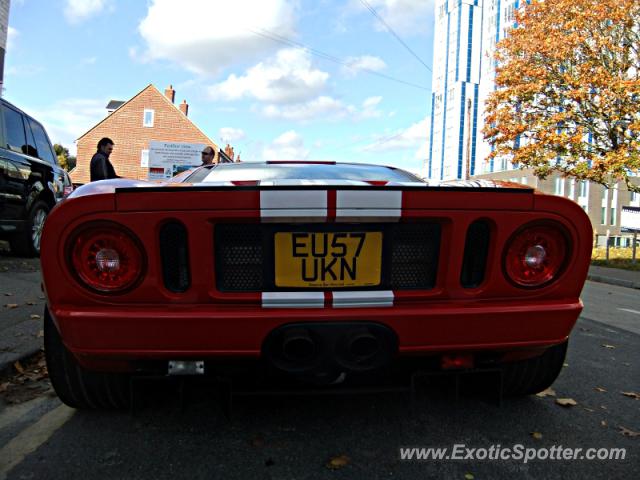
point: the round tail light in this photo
(536, 255)
(106, 257)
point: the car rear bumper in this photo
(173, 332)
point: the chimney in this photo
(184, 107)
(170, 93)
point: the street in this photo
(355, 436)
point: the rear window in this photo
(14, 126)
(42, 142)
(291, 171)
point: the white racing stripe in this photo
(292, 300)
(285, 205)
(380, 298)
(369, 204)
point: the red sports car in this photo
(314, 272)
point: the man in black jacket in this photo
(101, 168)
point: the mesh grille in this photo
(476, 250)
(243, 262)
(174, 252)
(414, 257)
(239, 258)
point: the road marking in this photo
(15, 413)
(32, 437)
(629, 310)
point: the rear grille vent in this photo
(415, 248)
(244, 255)
(174, 252)
(239, 257)
(476, 250)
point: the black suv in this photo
(31, 181)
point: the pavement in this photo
(22, 304)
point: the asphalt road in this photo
(295, 438)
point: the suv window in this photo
(42, 142)
(14, 126)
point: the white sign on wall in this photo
(167, 159)
(630, 219)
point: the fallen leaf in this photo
(566, 402)
(608, 346)
(603, 407)
(549, 392)
(41, 297)
(603, 423)
(4, 386)
(600, 389)
(468, 476)
(565, 364)
(626, 364)
(536, 435)
(18, 367)
(7, 294)
(628, 433)
(11, 305)
(338, 462)
(257, 442)
(40, 333)
(632, 395)
(31, 303)
(35, 317)
(589, 409)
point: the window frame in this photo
(144, 117)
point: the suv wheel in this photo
(27, 243)
(76, 386)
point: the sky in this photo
(277, 79)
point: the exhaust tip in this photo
(298, 346)
(363, 346)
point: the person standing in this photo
(101, 168)
(208, 155)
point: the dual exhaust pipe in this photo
(347, 347)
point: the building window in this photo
(144, 158)
(613, 216)
(147, 119)
(559, 186)
(603, 218)
(583, 188)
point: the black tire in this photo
(27, 242)
(76, 386)
(534, 375)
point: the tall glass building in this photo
(465, 35)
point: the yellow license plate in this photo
(328, 259)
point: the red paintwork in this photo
(151, 322)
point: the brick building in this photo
(148, 116)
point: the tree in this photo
(567, 95)
(64, 159)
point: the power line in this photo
(293, 43)
(388, 27)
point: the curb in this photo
(6, 366)
(614, 281)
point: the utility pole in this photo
(467, 175)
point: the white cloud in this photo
(24, 70)
(321, 107)
(406, 17)
(287, 78)
(65, 120)
(77, 11)
(288, 146)
(12, 36)
(206, 36)
(324, 108)
(414, 136)
(230, 134)
(365, 62)
(89, 60)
